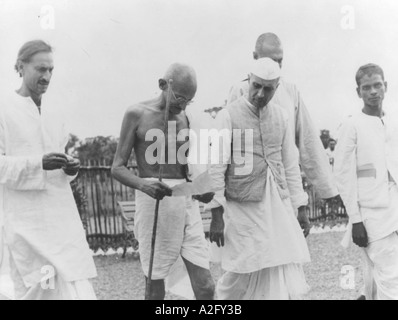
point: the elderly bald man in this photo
(313, 159)
(264, 246)
(180, 229)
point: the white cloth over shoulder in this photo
(199, 147)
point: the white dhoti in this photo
(52, 287)
(179, 232)
(264, 249)
(285, 282)
(6, 283)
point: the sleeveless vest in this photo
(257, 137)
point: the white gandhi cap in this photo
(266, 69)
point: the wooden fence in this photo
(320, 210)
(101, 216)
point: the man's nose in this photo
(373, 91)
(47, 76)
(261, 93)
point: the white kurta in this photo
(313, 159)
(365, 155)
(366, 167)
(42, 227)
(261, 235)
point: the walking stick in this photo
(148, 290)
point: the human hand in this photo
(205, 198)
(359, 235)
(72, 166)
(54, 161)
(217, 226)
(157, 190)
(303, 220)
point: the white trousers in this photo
(382, 265)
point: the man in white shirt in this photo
(263, 245)
(313, 160)
(366, 169)
(49, 255)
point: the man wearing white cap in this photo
(313, 160)
(264, 246)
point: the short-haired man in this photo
(313, 160)
(180, 229)
(264, 247)
(366, 169)
(49, 255)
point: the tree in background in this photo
(94, 151)
(97, 151)
(73, 143)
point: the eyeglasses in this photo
(181, 100)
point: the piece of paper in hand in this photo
(201, 185)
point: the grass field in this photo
(122, 279)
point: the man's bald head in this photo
(269, 45)
(183, 86)
(183, 76)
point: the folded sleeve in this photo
(345, 170)
(313, 158)
(220, 157)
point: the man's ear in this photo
(20, 66)
(162, 84)
(255, 55)
(386, 85)
(359, 92)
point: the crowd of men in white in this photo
(257, 201)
